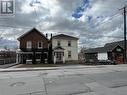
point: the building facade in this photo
(111, 51)
(65, 48)
(33, 47)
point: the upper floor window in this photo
(58, 43)
(69, 43)
(69, 54)
(29, 44)
(40, 45)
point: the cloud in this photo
(95, 22)
(79, 10)
(8, 43)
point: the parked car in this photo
(106, 62)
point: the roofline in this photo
(116, 47)
(114, 42)
(66, 35)
(29, 32)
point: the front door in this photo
(119, 58)
(59, 56)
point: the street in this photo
(66, 80)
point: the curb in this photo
(26, 69)
(50, 68)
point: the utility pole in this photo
(124, 12)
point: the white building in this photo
(65, 48)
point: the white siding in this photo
(64, 44)
(102, 56)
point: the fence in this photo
(7, 61)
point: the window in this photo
(118, 49)
(29, 44)
(40, 45)
(69, 43)
(58, 43)
(69, 54)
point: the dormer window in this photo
(40, 45)
(29, 44)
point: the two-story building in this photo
(33, 47)
(65, 48)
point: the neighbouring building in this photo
(65, 48)
(33, 47)
(111, 51)
(7, 56)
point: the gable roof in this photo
(107, 47)
(32, 30)
(114, 44)
(63, 36)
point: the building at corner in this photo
(65, 48)
(33, 47)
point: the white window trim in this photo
(29, 44)
(69, 54)
(41, 45)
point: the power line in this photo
(110, 19)
(96, 35)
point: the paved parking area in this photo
(72, 80)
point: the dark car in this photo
(106, 62)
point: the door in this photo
(119, 58)
(59, 56)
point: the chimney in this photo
(51, 35)
(46, 35)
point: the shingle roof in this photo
(114, 44)
(108, 47)
(33, 29)
(96, 50)
(63, 36)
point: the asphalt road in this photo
(72, 80)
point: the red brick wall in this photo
(35, 37)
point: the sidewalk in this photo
(12, 69)
(4, 66)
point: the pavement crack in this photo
(45, 86)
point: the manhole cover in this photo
(18, 84)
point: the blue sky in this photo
(95, 22)
(78, 12)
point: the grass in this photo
(36, 65)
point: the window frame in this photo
(69, 43)
(58, 43)
(69, 54)
(29, 44)
(41, 44)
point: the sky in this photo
(94, 22)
